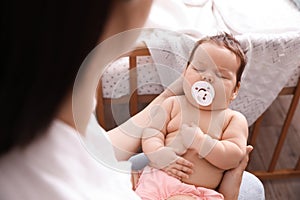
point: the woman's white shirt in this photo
(58, 166)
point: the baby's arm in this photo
(230, 150)
(153, 137)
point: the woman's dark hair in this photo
(229, 42)
(43, 45)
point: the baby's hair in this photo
(228, 41)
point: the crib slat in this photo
(133, 85)
(255, 130)
(100, 106)
(285, 128)
(140, 50)
(298, 164)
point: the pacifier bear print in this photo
(203, 93)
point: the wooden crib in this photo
(137, 102)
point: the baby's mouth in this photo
(203, 93)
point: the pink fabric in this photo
(155, 184)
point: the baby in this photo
(198, 125)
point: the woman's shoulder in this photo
(60, 166)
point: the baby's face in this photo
(217, 66)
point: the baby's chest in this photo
(212, 123)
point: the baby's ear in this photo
(235, 91)
(186, 66)
(183, 73)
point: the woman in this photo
(44, 44)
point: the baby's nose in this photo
(208, 77)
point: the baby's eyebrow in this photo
(224, 70)
(220, 68)
(200, 63)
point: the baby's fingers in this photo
(182, 168)
(183, 162)
(177, 173)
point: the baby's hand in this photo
(185, 138)
(162, 158)
(180, 169)
(191, 134)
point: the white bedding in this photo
(235, 16)
(273, 48)
(258, 16)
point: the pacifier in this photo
(203, 93)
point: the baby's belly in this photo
(205, 174)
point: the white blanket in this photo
(235, 16)
(258, 16)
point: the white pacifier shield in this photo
(203, 93)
